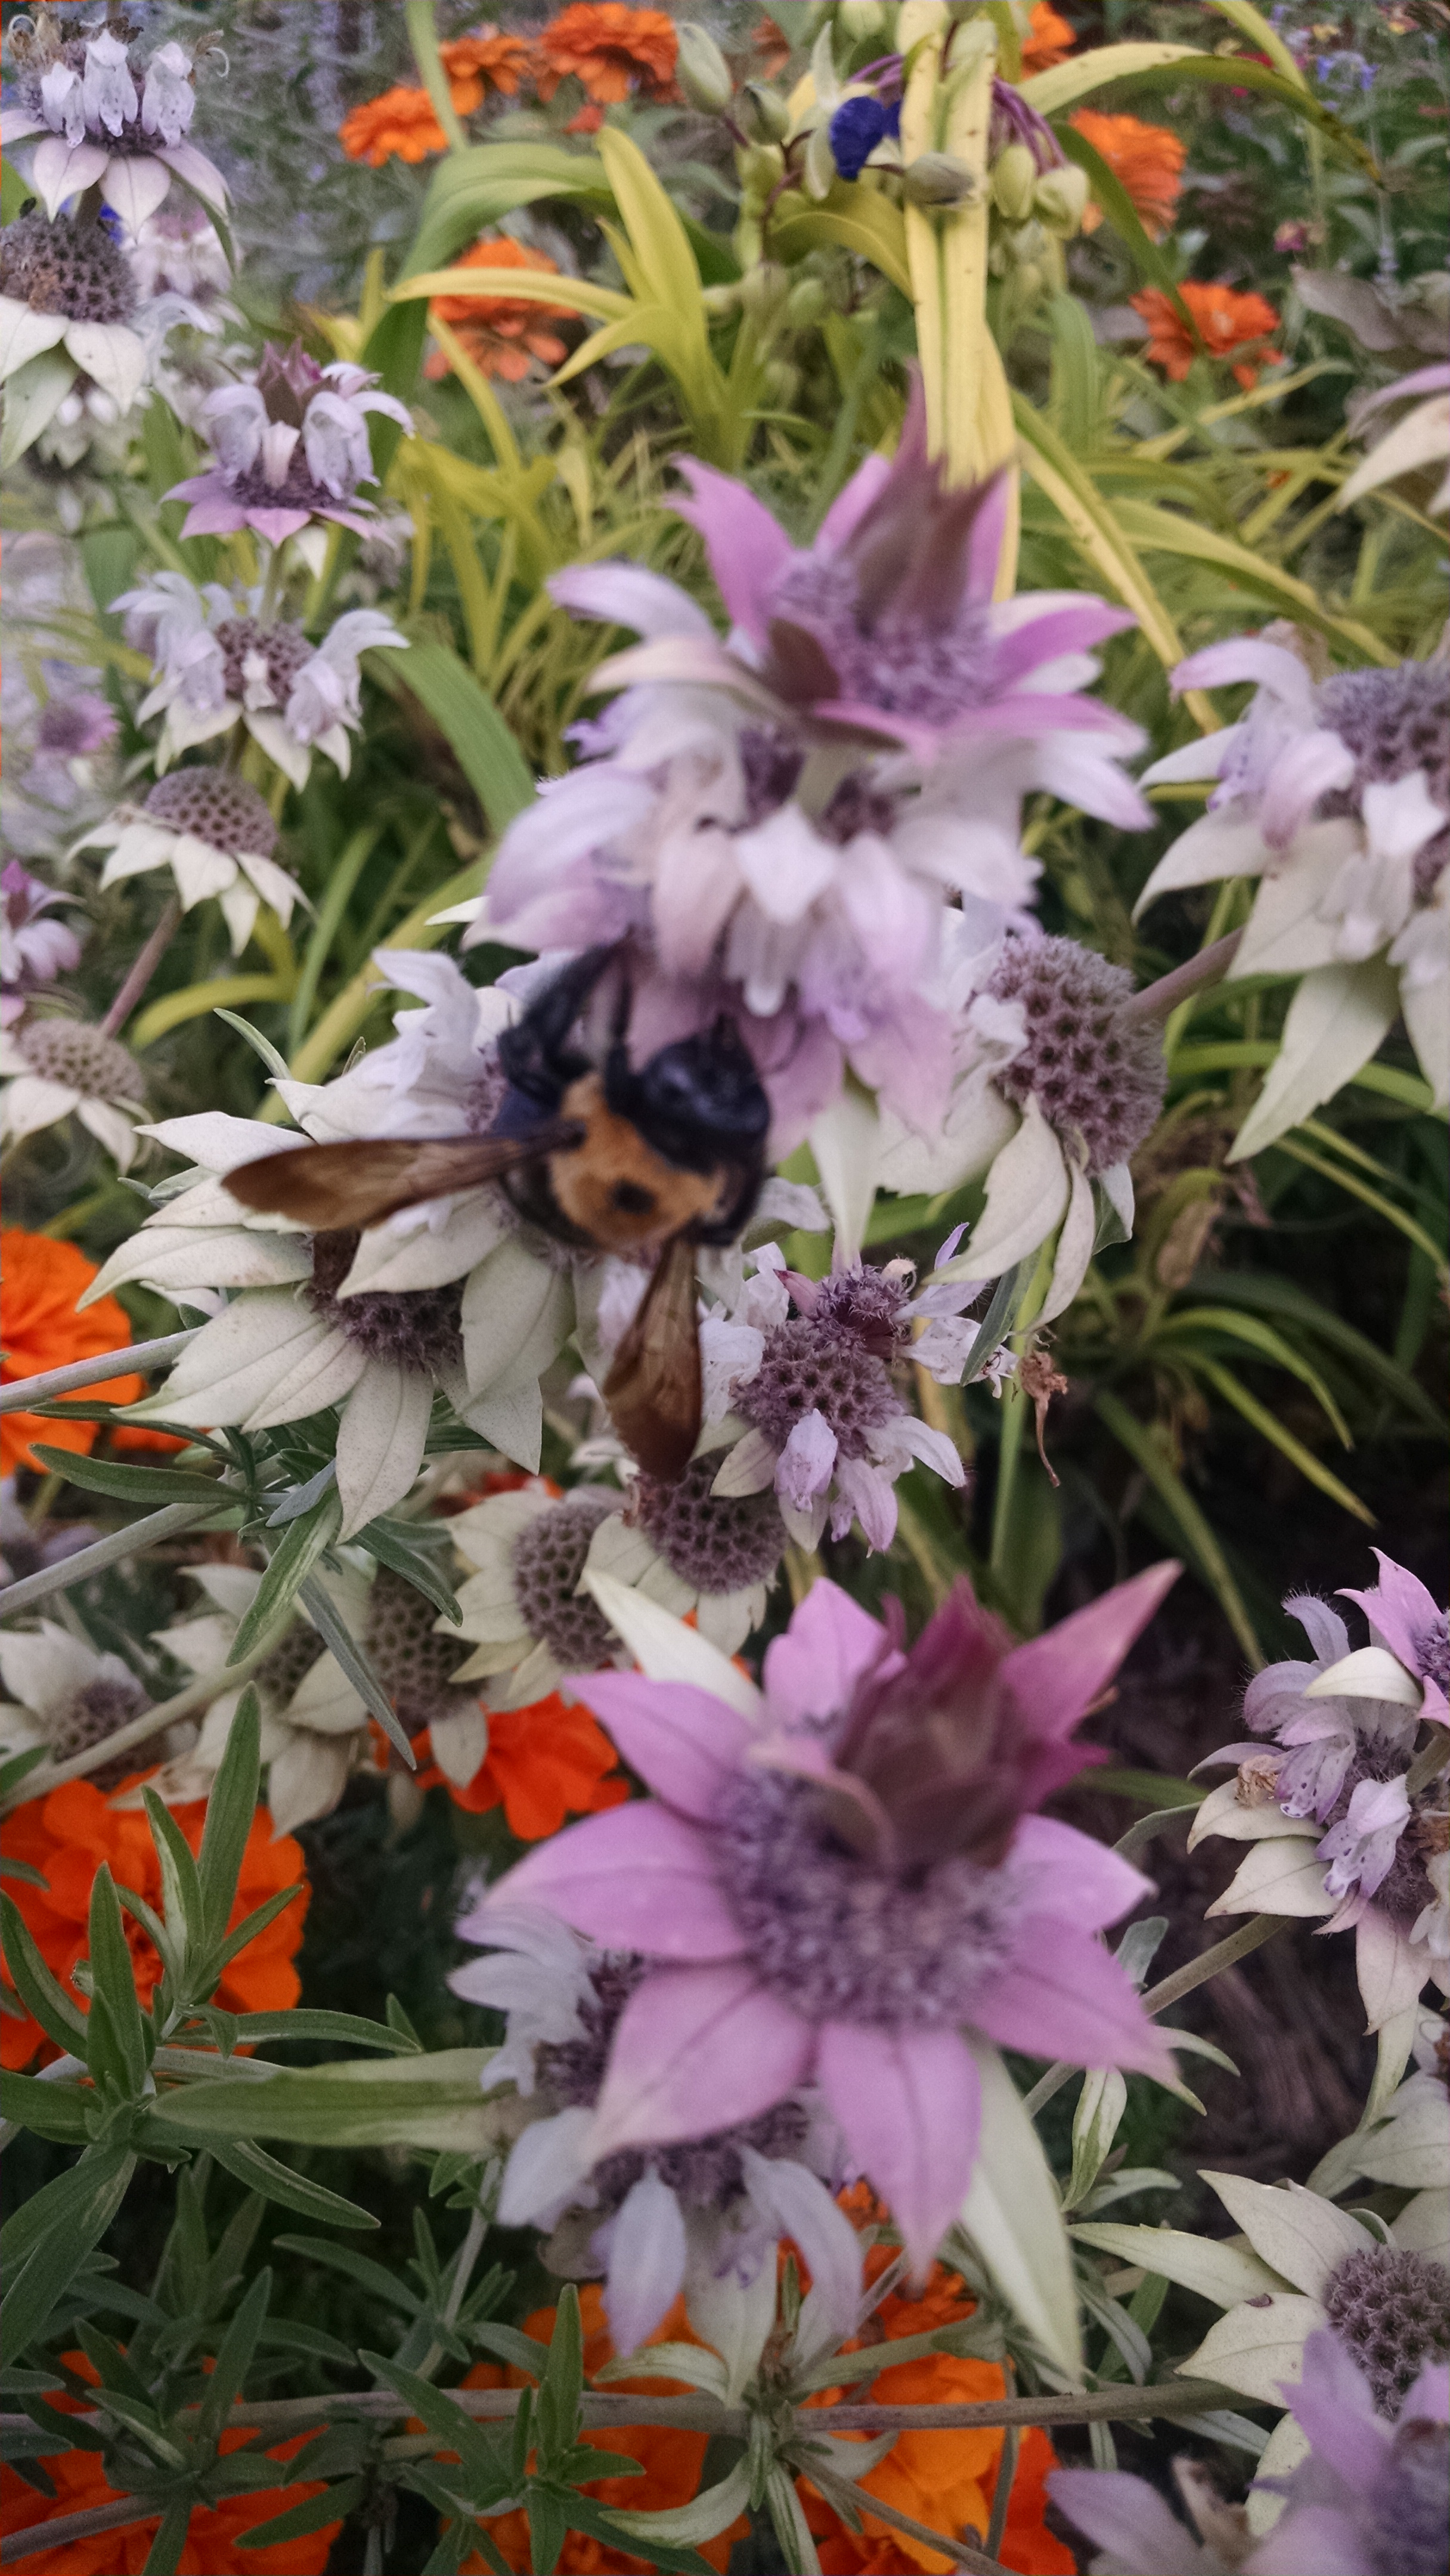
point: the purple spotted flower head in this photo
(104, 117)
(33, 951)
(838, 1878)
(291, 447)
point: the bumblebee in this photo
(604, 1156)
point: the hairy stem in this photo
(143, 968)
(1158, 1001)
(168, 1523)
(152, 1721)
(1224, 1954)
(23, 1394)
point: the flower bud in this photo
(721, 302)
(818, 170)
(1024, 244)
(760, 167)
(938, 179)
(763, 290)
(1059, 199)
(1014, 177)
(702, 71)
(1031, 280)
(782, 383)
(806, 304)
(858, 18)
(763, 113)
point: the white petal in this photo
(797, 2204)
(1335, 1021)
(1288, 933)
(460, 1744)
(45, 1669)
(1216, 846)
(547, 2165)
(306, 1779)
(733, 2315)
(1214, 2269)
(24, 334)
(846, 1142)
(111, 1128)
(1276, 1877)
(1074, 1249)
(1427, 1018)
(1204, 758)
(1371, 1672)
(380, 1441)
(1296, 2233)
(198, 173)
(517, 1311)
(1027, 1195)
(667, 1651)
(325, 1701)
(749, 1468)
(292, 757)
(31, 1102)
(273, 884)
(1255, 2349)
(240, 1355)
(646, 2262)
(135, 187)
(509, 1416)
(114, 356)
(59, 169)
(428, 1256)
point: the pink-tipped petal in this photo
(984, 545)
(218, 517)
(1062, 1996)
(1057, 1870)
(278, 525)
(1305, 770)
(850, 506)
(698, 2049)
(1064, 630)
(1054, 1678)
(812, 1670)
(635, 1878)
(1248, 657)
(1128, 2518)
(909, 2104)
(686, 1744)
(1408, 1618)
(748, 549)
(1332, 2404)
(1313, 2540)
(647, 2250)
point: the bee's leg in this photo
(535, 1053)
(735, 1214)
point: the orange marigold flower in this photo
(213, 2543)
(1147, 158)
(672, 2461)
(611, 50)
(1224, 321)
(67, 1835)
(483, 61)
(945, 2480)
(543, 1762)
(502, 333)
(401, 122)
(40, 1329)
(1050, 39)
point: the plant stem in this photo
(149, 1532)
(152, 1721)
(23, 1394)
(468, 2254)
(838, 2490)
(1429, 1761)
(1157, 1001)
(1210, 1963)
(76, 2526)
(142, 969)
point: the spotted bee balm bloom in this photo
(105, 119)
(291, 447)
(69, 309)
(839, 1879)
(215, 833)
(1336, 796)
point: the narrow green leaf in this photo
(153, 1485)
(483, 2458)
(276, 1064)
(481, 741)
(44, 1997)
(234, 2359)
(357, 1665)
(1126, 222)
(1262, 1338)
(115, 1981)
(1277, 1296)
(1284, 1441)
(562, 2384)
(252, 2165)
(1203, 1546)
(300, 2520)
(620, 2531)
(164, 2555)
(58, 2111)
(255, 1922)
(55, 2262)
(231, 1810)
(426, 2101)
(370, 2276)
(297, 1551)
(308, 2023)
(396, 1545)
(180, 1881)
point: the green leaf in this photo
(164, 2555)
(1143, 1446)
(45, 1999)
(301, 2519)
(1122, 214)
(387, 2286)
(1281, 1297)
(114, 1981)
(428, 2101)
(297, 1551)
(1284, 1441)
(255, 1922)
(1150, 529)
(394, 1544)
(234, 2359)
(153, 1485)
(562, 2384)
(357, 1665)
(231, 1810)
(855, 219)
(483, 2459)
(57, 2111)
(54, 2263)
(636, 2532)
(481, 741)
(252, 2165)
(306, 2022)
(508, 2343)
(276, 1064)
(180, 1879)
(18, 1766)
(470, 191)
(1262, 1338)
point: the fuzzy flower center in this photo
(70, 268)
(288, 1665)
(1433, 1649)
(547, 1561)
(217, 808)
(1088, 1064)
(93, 1714)
(840, 1938)
(895, 662)
(1409, 2504)
(419, 1329)
(81, 1057)
(282, 649)
(770, 767)
(1404, 1891)
(414, 1664)
(1391, 2310)
(1393, 722)
(811, 1365)
(705, 2172)
(718, 1544)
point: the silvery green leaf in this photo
(1014, 2218)
(1100, 2107)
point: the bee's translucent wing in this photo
(653, 1388)
(337, 1187)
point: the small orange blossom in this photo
(1224, 321)
(502, 333)
(1050, 38)
(611, 50)
(1147, 158)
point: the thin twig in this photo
(1209, 1963)
(838, 2491)
(197, 1694)
(24, 1393)
(168, 1523)
(76, 2526)
(143, 968)
(274, 2418)
(1157, 1001)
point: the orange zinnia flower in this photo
(484, 61)
(67, 1835)
(212, 2544)
(40, 1330)
(1147, 158)
(672, 2461)
(543, 1762)
(1224, 321)
(502, 333)
(401, 121)
(942, 2479)
(611, 50)
(1049, 41)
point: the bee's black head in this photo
(699, 1102)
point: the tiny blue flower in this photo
(856, 129)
